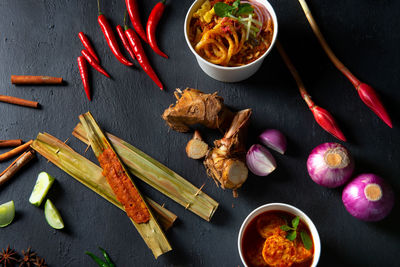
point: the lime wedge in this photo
(52, 215)
(42, 186)
(7, 213)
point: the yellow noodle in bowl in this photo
(230, 48)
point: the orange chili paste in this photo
(123, 187)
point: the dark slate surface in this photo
(40, 37)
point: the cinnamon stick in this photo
(11, 170)
(29, 79)
(10, 143)
(18, 101)
(15, 151)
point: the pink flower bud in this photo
(327, 122)
(371, 99)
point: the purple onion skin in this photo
(359, 206)
(260, 161)
(274, 139)
(324, 175)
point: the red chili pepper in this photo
(86, 43)
(151, 27)
(84, 75)
(132, 7)
(141, 57)
(93, 63)
(125, 42)
(110, 37)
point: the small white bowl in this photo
(288, 208)
(229, 74)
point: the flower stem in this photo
(322, 116)
(295, 75)
(366, 93)
(339, 65)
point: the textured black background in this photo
(40, 37)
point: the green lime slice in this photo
(42, 186)
(52, 215)
(7, 213)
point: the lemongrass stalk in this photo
(150, 230)
(159, 176)
(248, 26)
(253, 21)
(89, 174)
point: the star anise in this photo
(40, 262)
(8, 257)
(28, 258)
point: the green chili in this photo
(97, 259)
(107, 257)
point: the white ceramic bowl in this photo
(229, 74)
(287, 208)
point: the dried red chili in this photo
(110, 37)
(84, 75)
(141, 57)
(93, 63)
(125, 42)
(86, 43)
(132, 7)
(151, 27)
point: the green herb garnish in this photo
(244, 9)
(306, 239)
(292, 233)
(295, 222)
(236, 9)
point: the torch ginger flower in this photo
(322, 116)
(366, 93)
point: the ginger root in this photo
(225, 163)
(196, 148)
(195, 107)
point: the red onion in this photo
(260, 10)
(368, 197)
(274, 139)
(257, 7)
(330, 165)
(260, 161)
